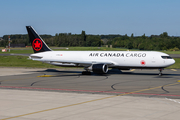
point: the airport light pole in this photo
(9, 43)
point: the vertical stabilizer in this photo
(37, 42)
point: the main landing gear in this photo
(87, 71)
(160, 71)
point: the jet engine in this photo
(100, 68)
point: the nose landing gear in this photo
(160, 71)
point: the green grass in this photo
(171, 52)
(176, 65)
(30, 51)
(92, 49)
(19, 51)
(22, 61)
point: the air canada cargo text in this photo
(117, 54)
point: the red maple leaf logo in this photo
(143, 62)
(37, 44)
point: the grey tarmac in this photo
(66, 94)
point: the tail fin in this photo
(37, 42)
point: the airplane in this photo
(97, 61)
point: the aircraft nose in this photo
(173, 61)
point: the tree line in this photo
(153, 42)
(59, 40)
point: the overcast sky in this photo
(92, 16)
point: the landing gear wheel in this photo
(160, 74)
(86, 73)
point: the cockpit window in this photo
(166, 57)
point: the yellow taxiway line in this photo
(45, 76)
(173, 69)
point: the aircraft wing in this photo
(82, 62)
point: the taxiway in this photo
(66, 94)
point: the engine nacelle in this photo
(100, 68)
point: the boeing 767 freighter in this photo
(98, 61)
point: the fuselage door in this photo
(153, 59)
